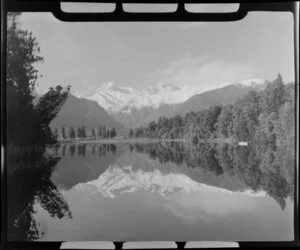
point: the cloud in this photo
(205, 72)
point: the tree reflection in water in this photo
(271, 169)
(28, 183)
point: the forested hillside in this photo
(266, 116)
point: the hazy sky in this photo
(143, 54)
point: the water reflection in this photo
(50, 188)
(269, 170)
(28, 185)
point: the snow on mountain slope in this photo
(251, 82)
(117, 180)
(115, 98)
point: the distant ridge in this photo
(79, 112)
(222, 96)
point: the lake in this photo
(152, 192)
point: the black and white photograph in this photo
(151, 131)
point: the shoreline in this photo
(144, 140)
(118, 141)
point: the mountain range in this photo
(125, 107)
(134, 108)
(116, 98)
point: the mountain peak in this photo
(107, 85)
(162, 87)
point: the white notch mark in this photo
(212, 8)
(79, 7)
(150, 245)
(87, 245)
(149, 8)
(211, 244)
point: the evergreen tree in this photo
(93, 133)
(71, 133)
(79, 132)
(131, 133)
(272, 97)
(108, 134)
(55, 133)
(224, 123)
(113, 132)
(104, 132)
(83, 132)
(63, 133)
(100, 132)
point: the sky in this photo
(143, 54)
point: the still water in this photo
(147, 192)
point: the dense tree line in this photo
(81, 132)
(28, 119)
(266, 116)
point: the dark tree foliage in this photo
(100, 132)
(93, 133)
(63, 150)
(72, 133)
(63, 133)
(131, 133)
(104, 133)
(113, 133)
(28, 123)
(32, 173)
(79, 134)
(28, 134)
(83, 132)
(72, 149)
(225, 122)
(55, 133)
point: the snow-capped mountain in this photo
(117, 180)
(122, 99)
(115, 98)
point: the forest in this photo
(266, 117)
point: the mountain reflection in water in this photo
(155, 191)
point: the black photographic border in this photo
(119, 15)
